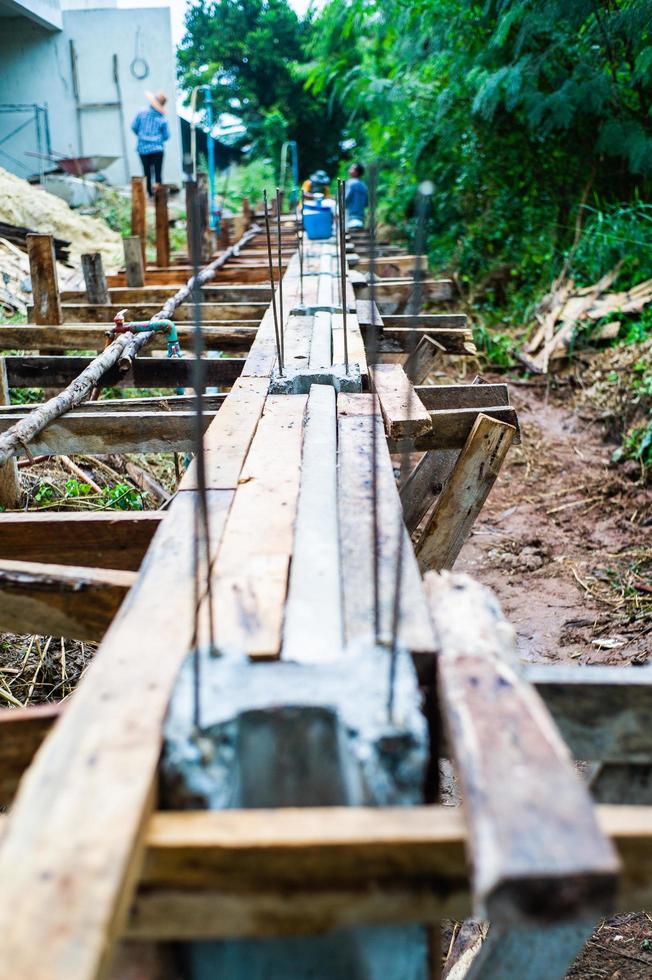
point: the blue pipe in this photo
(208, 102)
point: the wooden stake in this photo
(139, 213)
(464, 494)
(134, 264)
(9, 476)
(43, 272)
(191, 193)
(162, 226)
(97, 290)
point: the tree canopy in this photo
(251, 53)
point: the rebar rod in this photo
(279, 352)
(280, 271)
(342, 231)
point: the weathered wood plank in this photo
(139, 212)
(60, 600)
(127, 406)
(43, 275)
(212, 292)
(134, 261)
(21, 732)
(426, 480)
(251, 576)
(94, 279)
(356, 415)
(162, 226)
(464, 494)
(88, 336)
(243, 272)
(452, 427)
(314, 594)
(79, 312)
(403, 412)
(441, 397)
(146, 372)
(97, 433)
(110, 540)
(536, 849)
(422, 360)
(95, 773)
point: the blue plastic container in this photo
(317, 220)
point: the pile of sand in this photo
(31, 207)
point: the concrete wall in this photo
(47, 13)
(36, 67)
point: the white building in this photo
(73, 74)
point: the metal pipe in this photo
(280, 271)
(279, 352)
(342, 231)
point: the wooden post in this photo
(225, 232)
(207, 237)
(96, 288)
(463, 496)
(162, 226)
(9, 477)
(246, 211)
(134, 265)
(191, 197)
(43, 272)
(139, 213)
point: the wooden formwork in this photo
(86, 859)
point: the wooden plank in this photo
(21, 732)
(314, 594)
(94, 278)
(426, 480)
(442, 397)
(77, 821)
(127, 406)
(162, 226)
(111, 540)
(134, 261)
(10, 489)
(403, 412)
(228, 438)
(43, 275)
(87, 336)
(422, 360)
(251, 575)
(400, 290)
(60, 600)
(212, 292)
(356, 415)
(452, 427)
(402, 339)
(97, 433)
(174, 276)
(357, 351)
(531, 863)
(79, 312)
(463, 497)
(321, 347)
(146, 372)
(427, 321)
(139, 212)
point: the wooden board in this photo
(97, 433)
(252, 572)
(452, 427)
(108, 539)
(425, 481)
(356, 415)
(21, 732)
(60, 600)
(80, 312)
(314, 594)
(77, 820)
(237, 334)
(403, 412)
(464, 494)
(537, 852)
(403, 339)
(235, 272)
(440, 397)
(123, 296)
(146, 372)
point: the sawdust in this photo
(27, 206)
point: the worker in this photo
(357, 197)
(316, 184)
(151, 128)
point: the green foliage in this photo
(516, 110)
(248, 180)
(115, 209)
(252, 53)
(121, 496)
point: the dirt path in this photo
(565, 542)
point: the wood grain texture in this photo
(21, 732)
(356, 415)
(452, 427)
(443, 397)
(314, 595)
(88, 336)
(60, 600)
(43, 275)
(110, 540)
(424, 483)
(78, 817)
(162, 226)
(423, 359)
(403, 412)
(84, 312)
(134, 261)
(535, 847)
(146, 372)
(94, 278)
(464, 494)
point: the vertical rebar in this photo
(336, 216)
(279, 352)
(280, 271)
(300, 253)
(373, 357)
(202, 517)
(342, 230)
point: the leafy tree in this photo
(250, 52)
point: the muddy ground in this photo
(565, 541)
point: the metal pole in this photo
(208, 101)
(342, 231)
(279, 352)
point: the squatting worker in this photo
(151, 128)
(357, 197)
(317, 183)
